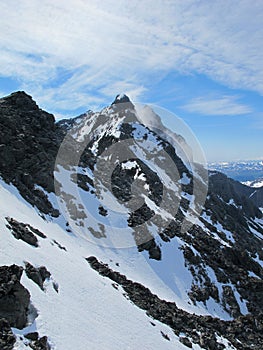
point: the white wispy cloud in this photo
(223, 105)
(109, 45)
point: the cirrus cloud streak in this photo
(63, 52)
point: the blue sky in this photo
(202, 60)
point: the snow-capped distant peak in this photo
(256, 183)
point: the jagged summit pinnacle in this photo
(121, 98)
(21, 93)
(17, 94)
(20, 99)
(20, 109)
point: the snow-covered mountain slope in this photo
(133, 244)
(78, 308)
(86, 312)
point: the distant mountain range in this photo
(248, 172)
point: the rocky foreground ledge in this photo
(244, 332)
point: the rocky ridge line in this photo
(245, 332)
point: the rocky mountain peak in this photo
(28, 144)
(21, 100)
(121, 98)
(19, 109)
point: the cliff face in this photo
(28, 148)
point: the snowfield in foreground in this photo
(87, 312)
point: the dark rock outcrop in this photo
(32, 336)
(186, 342)
(22, 231)
(37, 274)
(7, 338)
(14, 297)
(244, 333)
(36, 342)
(40, 344)
(59, 245)
(28, 148)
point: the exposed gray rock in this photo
(230, 302)
(37, 274)
(245, 332)
(186, 342)
(29, 144)
(32, 336)
(59, 245)
(165, 335)
(40, 344)
(7, 338)
(102, 211)
(14, 297)
(22, 231)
